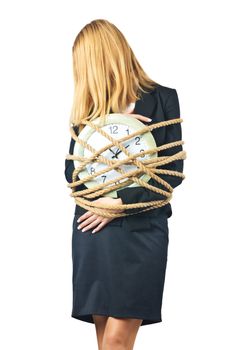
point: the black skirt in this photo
(120, 270)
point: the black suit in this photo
(160, 104)
(120, 270)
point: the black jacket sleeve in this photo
(173, 133)
(69, 165)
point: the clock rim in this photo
(112, 118)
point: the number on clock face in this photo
(136, 144)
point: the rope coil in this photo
(148, 166)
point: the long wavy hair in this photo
(107, 75)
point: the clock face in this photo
(117, 126)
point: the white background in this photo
(180, 44)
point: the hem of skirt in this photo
(87, 317)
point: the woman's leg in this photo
(100, 323)
(120, 333)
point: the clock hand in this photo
(121, 150)
(111, 151)
(118, 152)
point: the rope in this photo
(148, 166)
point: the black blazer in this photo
(160, 104)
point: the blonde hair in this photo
(107, 75)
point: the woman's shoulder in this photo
(166, 95)
(163, 90)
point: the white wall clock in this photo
(117, 125)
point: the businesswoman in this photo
(119, 263)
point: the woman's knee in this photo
(114, 341)
(120, 334)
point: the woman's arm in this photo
(173, 133)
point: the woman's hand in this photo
(89, 220)
(139, 116)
